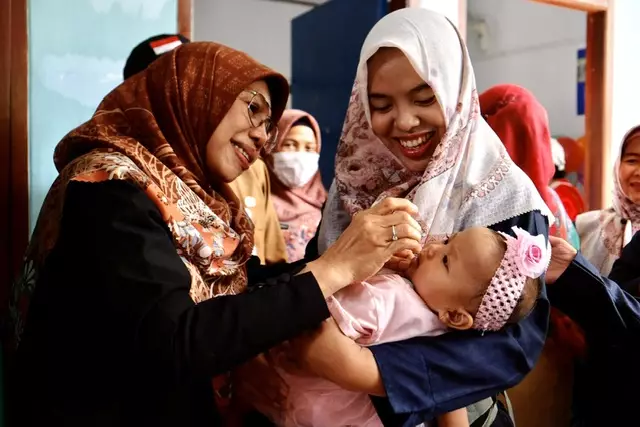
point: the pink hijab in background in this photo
(299, 209)
(522, 124)
(604, 233)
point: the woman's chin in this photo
(226, 173)
(634, 197)
(233, 175)
(416, 166)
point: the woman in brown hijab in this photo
(296, 186)
(136, 278)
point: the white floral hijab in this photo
(470, 180)
(604, 233)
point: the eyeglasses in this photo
(259, 113)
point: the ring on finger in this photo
(394, 235)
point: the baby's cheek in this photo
(421, 287)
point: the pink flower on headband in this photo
(532, 259)
(526, 256)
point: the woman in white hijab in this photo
(413, 130)
(604, 233)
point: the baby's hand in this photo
(401, 262)
(413, 266)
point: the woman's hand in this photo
(371, 239)
(562, 253)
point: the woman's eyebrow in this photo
(420, 88)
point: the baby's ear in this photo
(458, 318)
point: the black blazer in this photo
(112, 337)
(609, 314)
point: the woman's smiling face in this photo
(405, 114)
(629, 172)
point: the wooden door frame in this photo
(14, 131)
(14, 155)
(185, 18)
(599, 93)
(5, 144)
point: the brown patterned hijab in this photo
(152, 130)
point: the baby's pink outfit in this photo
(384, 309)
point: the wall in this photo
(260, 28)
(77, 50)
(322, 75)
(449, 8)
(626, 63)
(532, 45)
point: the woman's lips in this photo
(243, 156)
(246, 154)
(415, 146)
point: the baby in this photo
(477, 279)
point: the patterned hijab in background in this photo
(606, 232)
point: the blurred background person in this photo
(569, 194)
(604, 233)
(296, 186)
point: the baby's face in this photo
(452, 275)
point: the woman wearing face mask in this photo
(413, 129)
(296, 187)
(604, 233)
(135, 280)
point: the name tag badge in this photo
(250, 202)
(284, 226)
